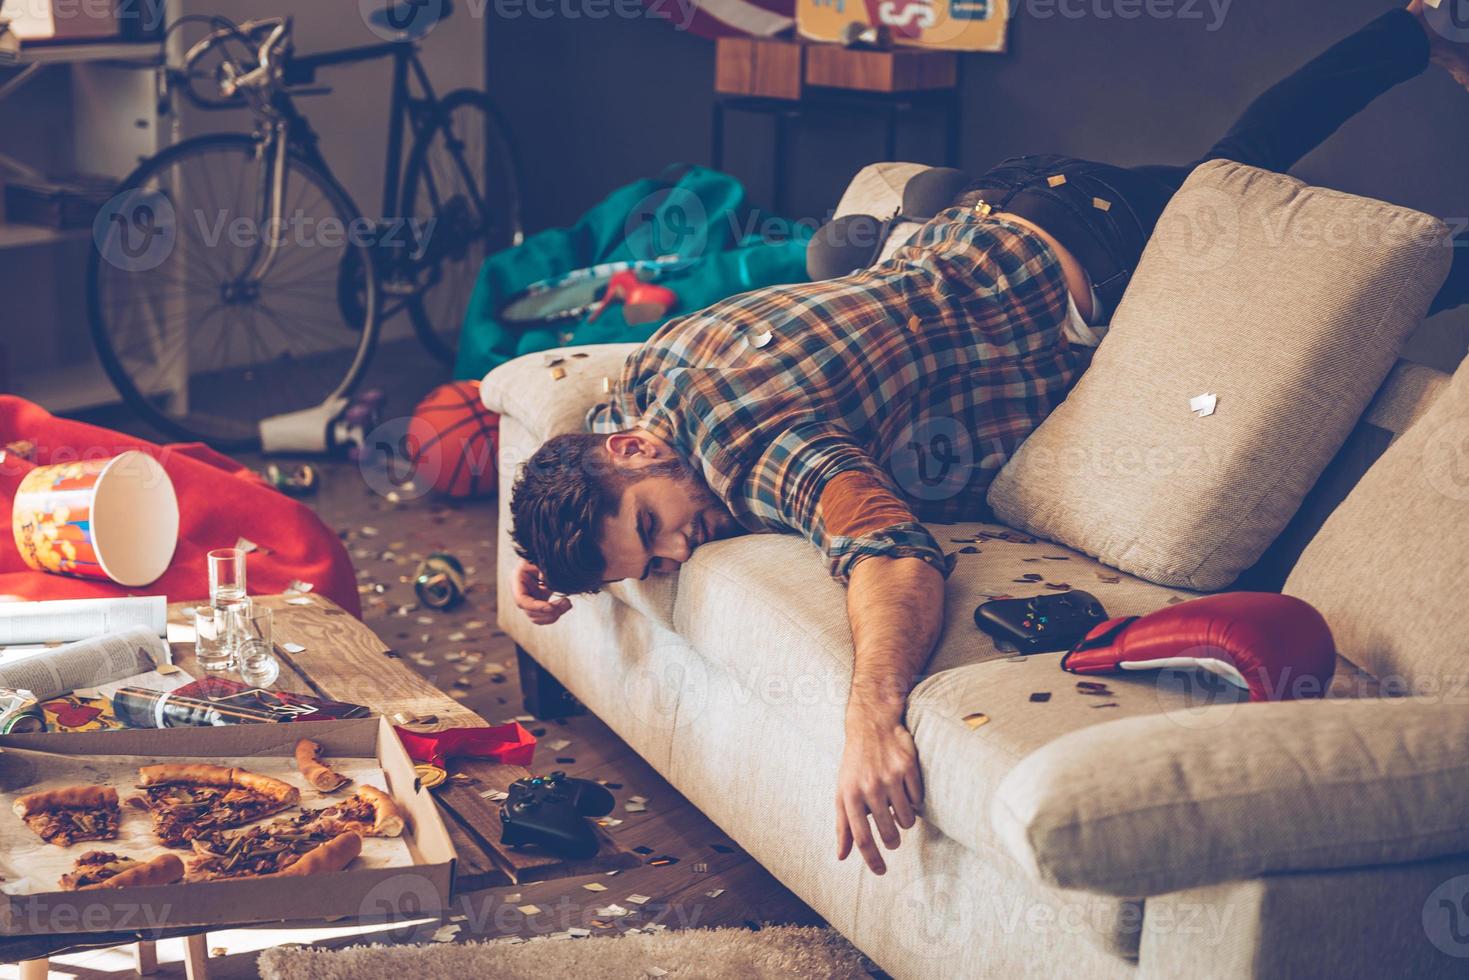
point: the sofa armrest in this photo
(527, 389)
(1147, 806)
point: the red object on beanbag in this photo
(220, 502)
(1276, 646)
(453, 440)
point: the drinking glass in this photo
(215, 640)
(256, 658)
(227, 578)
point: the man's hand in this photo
(878, 779)
(542, 605)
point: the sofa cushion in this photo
(519, 388)
(1387, 568)
(877, 189)
(763, 607)
(1144, 806)
(1291, 312)
(785, 642)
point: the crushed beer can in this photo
(294, 481)
(440, 581)
(20, 712)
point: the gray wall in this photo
(596, 103)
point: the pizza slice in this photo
(103, 869)
(371, 813)
(308, 760)
(283, 847)
(73, 813)
(187, 800)
(260, 850)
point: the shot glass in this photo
(227, 578)
(216, 641)
(256, 659)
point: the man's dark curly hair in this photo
(558, 503)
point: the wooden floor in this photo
(384, 539)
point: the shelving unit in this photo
(109, 120)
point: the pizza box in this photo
(415, 888)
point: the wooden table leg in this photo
(145, 956)
(35, 969)
(196, 957)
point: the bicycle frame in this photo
(285, 127)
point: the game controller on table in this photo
(551, 812)
(1043, 623)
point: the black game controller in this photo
(1042, 624)
(551, 811)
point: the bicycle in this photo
(237, 292)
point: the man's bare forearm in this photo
(896, 607)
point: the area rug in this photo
(774, 953)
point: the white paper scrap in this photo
(1203, 405)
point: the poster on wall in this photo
(952, 25)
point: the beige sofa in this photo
(1163, 831)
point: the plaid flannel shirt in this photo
(851, 410)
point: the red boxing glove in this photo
(509, 744)
(1275, 646)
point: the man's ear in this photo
(636, 449)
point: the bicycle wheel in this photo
(201, 335)
(462, 186)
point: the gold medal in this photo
(429, 776)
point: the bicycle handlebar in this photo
(270, 39)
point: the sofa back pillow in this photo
(1388, 568)
(1261, 319)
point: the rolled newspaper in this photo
(50, 672)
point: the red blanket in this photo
(220, 502)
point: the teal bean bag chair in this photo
(692, 225)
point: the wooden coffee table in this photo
(344, 660)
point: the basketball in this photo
(453, 441)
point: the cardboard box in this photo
(950, 25)
(376, 894)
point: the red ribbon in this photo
(509, 744)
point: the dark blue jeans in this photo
(1280, 127)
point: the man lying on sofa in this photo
(854, 409)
